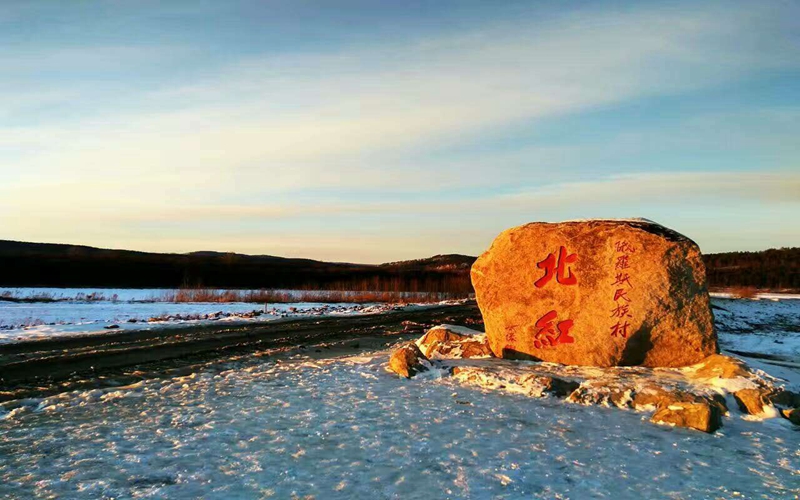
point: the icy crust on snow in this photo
(345, 428)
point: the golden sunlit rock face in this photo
(601, 293)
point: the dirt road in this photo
(42, 367)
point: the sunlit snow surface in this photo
(345, 428)
(759, 326)
(27, 321)
(72, 313)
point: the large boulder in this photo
(601, 293)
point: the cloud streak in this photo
(251, 141)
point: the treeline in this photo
(774, 269)
(51, 265)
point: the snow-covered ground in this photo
(110, 294)
(758, 296)
(770, 327)
(25, 321)
(76, 311)
(345, 428)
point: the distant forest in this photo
(53, 265)
(774, 269)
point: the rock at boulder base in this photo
(701, 415)
(445, 333)
(721, 366)
(407, 360)
(450, 341)
(601, 293)
(792, 415)
(750, 401)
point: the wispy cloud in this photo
(315, 110)
(239, 140)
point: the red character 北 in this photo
(557, 268)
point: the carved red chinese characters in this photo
(549, 335)
(600, 293)
(557, 268)
(622, 304)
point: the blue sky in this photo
(379, 131)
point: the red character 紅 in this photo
(557, 268)
(548, 335)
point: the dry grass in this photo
(744, 292)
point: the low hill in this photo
(56, 265)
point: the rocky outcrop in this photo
(792, 415)
(601, 293)
(754, 400)
(530, 384)
(721, 366)
(683, 409)
(751, 401)
(784, 399)
(681, 404)
(692, 397)
(454, 342)
(407, 360)
(701, 415)
(440, 342)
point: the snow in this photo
(759, 326)
(758, 296)
(345, 428)
(133, 310)
(271, 427)
(121, 294)
(26, 321)
(621, 219)
(461, 330)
